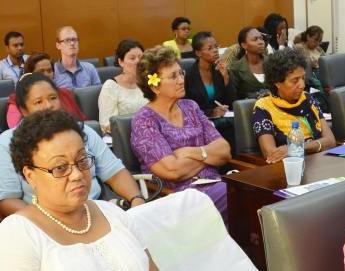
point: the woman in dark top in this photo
(207, 82)
(208, 79)
(247, 74)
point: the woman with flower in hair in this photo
(171, 136)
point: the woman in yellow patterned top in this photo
(287, 102)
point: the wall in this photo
(102, 24)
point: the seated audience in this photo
(12, 67)
(41, 62)
(171, 136)
(310, 45)
(36, 92)
(247, 74)
(181, 44)
(277, 28)
(287, 102)
(69, 71)
(121, 95)
(62, 229)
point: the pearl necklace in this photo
(66, 228)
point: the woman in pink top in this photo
(41, 62)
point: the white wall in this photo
(328, 14)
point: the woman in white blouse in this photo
(121, 95)
(62, 230)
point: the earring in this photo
(34, 199)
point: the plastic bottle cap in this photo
(295, 125)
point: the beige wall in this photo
(101, 24)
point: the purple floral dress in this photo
(153, 138)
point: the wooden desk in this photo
(249, 190)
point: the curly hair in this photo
(33, 129)
(177, 21)
(124, 47)
(280, 64)
(26, 83)
(151, 62)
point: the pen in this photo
(219, 104)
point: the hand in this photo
(223, 69)
(219, 111)
(282, 38)
(277, 155)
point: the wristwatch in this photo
(203, 153)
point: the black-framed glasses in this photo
(69, 40)
(64, 170)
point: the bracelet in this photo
(139, 196)
(320, 145)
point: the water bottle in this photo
(295, 141)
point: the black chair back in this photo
(108, 72)
(6, 88)
(87, 99)
(93, 60)
(3, 113)
(337, 105)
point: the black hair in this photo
(311, 31)
(281, 63)
(34, 58)
(26, 82)
(124, 47)
(33, 129)
(198, 40)
(242, 36)
(179, 20)
(10, 35)
(271, 23)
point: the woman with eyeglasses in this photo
(171, 136)
(36, 92)
(208, 83)
(62, 229)
(181, 44)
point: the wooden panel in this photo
(148, 21)
(95, 22)
(224, 18)
(22, 16)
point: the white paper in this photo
(206, 181)
(229, 114)
(313, 90)
(327, 116)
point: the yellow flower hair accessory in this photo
(153, 80)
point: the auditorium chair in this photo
(3, 113)
(186, 63)
(306, 232)
(247, 148)
(109, 61)
(6, 88)
(87, 99)
(108, 72)
(337, 105)
(94, 61)
(332, 72)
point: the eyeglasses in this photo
(175, 75)
(69, 40)
(184, 28)
(211, 48)
(65, 170)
